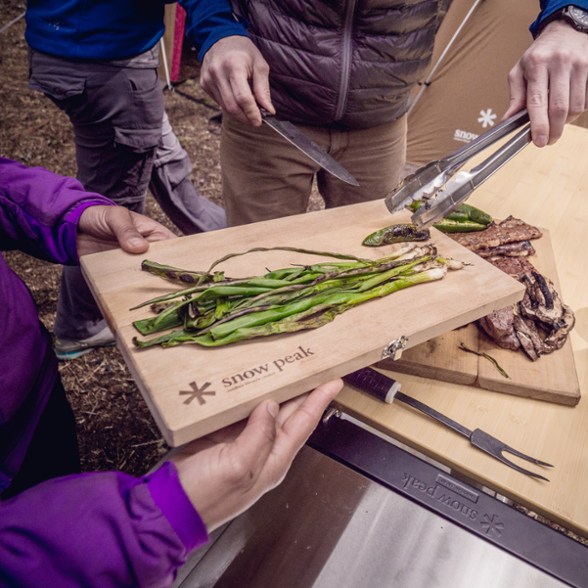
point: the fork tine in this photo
(527, 457)
(495, 447)
(515, 466)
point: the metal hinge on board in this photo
(395, 348)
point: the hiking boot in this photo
(67, 349)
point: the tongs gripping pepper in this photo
(442, 187)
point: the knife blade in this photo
(304, 143)
(387, 389)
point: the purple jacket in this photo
(97, 529)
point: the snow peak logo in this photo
(486, 119)
(197, 392)
(264, 370)
(463, 136)
(447, 492)
(457, 498)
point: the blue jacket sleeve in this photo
(103, 529)
(208, 21)
(39, 211)
(548, 7)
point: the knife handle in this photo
(374, 383)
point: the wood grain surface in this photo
(552, 378)
(548, 188)
(192, 390)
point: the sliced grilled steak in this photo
(510, 230)
(540, 323)
(543, 306)
(516, 267)
(515, 249)
(529, 337)
(498, 325)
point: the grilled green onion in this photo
(286, 300)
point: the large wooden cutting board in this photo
(192, 391)
(552, 378)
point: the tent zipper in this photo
(346, 59)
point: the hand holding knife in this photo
(301, 141)
(387, 389)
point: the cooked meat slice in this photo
(478, 239)
(539, 323)
(528, 336)
(519, 230)
(542, 303)
(498, 325)
(508, 231)
(515, 249)
(516, 267)
(557, 338)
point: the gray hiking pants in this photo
(117, 112)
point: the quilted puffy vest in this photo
(346, 64)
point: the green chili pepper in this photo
(446, 225)
(396, 234)
(475, 214)
(464, 213)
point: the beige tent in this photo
(466, 89)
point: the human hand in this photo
(235, 74)
(551, 80)
(225, 473)
(109, 227)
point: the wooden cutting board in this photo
(192, 390)
(552, 378)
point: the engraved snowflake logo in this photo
(492, 525)
(487, 118)
(197, 393)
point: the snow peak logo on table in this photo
(457, 498)
(454, 500)
(266, 369)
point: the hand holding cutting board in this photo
(226, 472)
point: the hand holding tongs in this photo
(434, 186)
(384, 388)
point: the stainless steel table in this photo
(360, 524)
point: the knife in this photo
(387, 389)
(303, 142)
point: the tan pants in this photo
(265, 177)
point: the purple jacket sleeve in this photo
(39, 211)
(103, 529)
(99, 529)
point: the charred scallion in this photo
(219, 310)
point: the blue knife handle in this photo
(374, 383)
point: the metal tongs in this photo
(438, 185)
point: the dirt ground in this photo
(115, 428)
